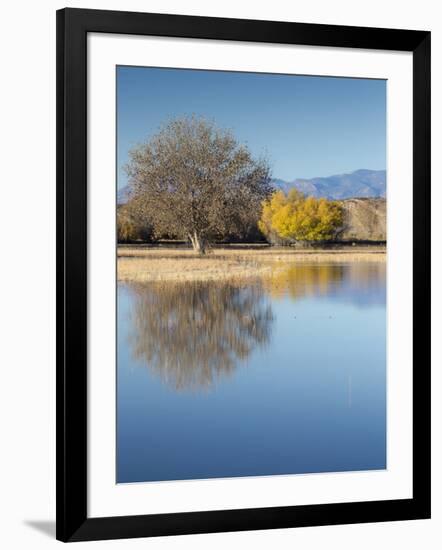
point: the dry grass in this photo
(140, 263)
(185, 269)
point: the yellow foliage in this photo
(299, 218)
(269, 209)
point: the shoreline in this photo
(138, 263)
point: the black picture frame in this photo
(73, 25)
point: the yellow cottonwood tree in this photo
(294, 217)
(269, 209)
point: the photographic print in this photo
(237, 348)
(251, 252)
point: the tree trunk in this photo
(197, 243)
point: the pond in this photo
(284, 374)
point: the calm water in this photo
(285, 375)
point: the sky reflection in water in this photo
(282, 375)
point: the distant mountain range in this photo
(361, 184)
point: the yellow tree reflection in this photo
(301, 280)
(359, 283)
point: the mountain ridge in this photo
(362, 183)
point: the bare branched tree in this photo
(193, 180)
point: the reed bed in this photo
(143, 264)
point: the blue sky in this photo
(306, 126)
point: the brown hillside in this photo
(364, 220)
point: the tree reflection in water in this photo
(362, 284)
(192, 333)
(302, 280)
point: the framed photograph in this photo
(243, 274)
